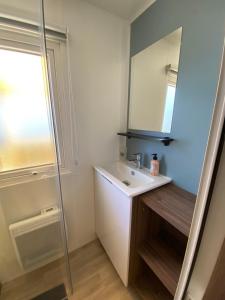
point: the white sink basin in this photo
(130, 180)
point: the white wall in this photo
(213, 237)
(99, 54)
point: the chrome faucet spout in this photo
(138, 159)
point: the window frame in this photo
(59, 93)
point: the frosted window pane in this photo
(25, 137)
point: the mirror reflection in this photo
(153, 79)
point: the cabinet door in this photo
(113, 222)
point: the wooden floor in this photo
(94, 278)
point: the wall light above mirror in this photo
(153, 79)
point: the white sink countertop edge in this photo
(132, 192)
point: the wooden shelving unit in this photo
(161, 225)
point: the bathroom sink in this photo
(130, 180)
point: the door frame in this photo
(205, 186)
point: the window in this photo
(26, 136)
(25, 133)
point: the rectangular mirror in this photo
(153, 81)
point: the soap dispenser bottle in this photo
(154, 171)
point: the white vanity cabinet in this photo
(116, 184)
(113, 210)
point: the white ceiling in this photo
(127, 9)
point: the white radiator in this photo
(37, 240)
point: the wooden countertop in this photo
(173, 204)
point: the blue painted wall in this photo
(203, 23)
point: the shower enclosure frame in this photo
(39, 30)
(56, 144)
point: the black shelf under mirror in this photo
(165, 140)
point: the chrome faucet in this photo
(138, 159)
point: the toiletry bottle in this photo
(154, 171)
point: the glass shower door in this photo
(33, 243)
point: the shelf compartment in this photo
(164, 262)
(165, 140)
(148, 286)
(173, 204)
